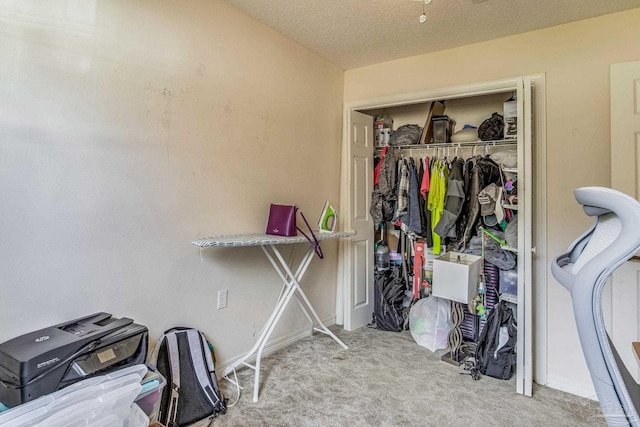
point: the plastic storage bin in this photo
(82, 403)
(151, 394)
(509, 282)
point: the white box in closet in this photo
(456, 276)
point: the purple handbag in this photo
(282, 222)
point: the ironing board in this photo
(291, 286)
(612, 240)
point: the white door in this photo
(625, 127)
(358, 271)
(623, 317)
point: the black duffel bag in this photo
(492, 128)
(388, 311)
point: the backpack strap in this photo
(174, 361)
(197, 345)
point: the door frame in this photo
(539, 239)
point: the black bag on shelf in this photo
(406, 135)
(388, 297)
(492, 128)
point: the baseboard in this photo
(563, 384)
(274, 345)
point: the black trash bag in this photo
(388, 298)
(495, 349)
(492, 128)
(406, 135)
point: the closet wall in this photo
(575, 59)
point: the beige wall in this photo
(575, 58)
(129, 129)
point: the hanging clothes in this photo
(384, 194)
(454, 200)
(437, 194)
(463, 218)
(424, 191)
(423, 216)
(484, 172)
(412, 221)
(402, 190)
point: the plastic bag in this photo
(430, 322)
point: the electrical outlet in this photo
(222, 298)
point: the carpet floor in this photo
(386, 379)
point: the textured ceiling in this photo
(355, 33)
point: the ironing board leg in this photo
(271, 321)
(291, 288)
(298, 289)
(285, 279)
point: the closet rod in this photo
(456, 144)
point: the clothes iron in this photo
(328, 218)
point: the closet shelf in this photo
(510, 207)
(478, 143)
(510, 170)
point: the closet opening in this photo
(426, 212)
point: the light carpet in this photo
(386, 379)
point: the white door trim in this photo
(539, 244)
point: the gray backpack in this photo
(192, 393)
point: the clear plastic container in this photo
(149, 398)
(137, 417)
(116, 402)
(25, 409)
(79, 405)
(382, 258)
(108, 421)
(509, 282)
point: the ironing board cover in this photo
(261, 239)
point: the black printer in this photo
(52, 358)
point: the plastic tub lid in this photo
(116, 402)
(26, 420)
(108, 421)
(139, 370)
(25, 408)
(94, 391)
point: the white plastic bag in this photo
(430, 322)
